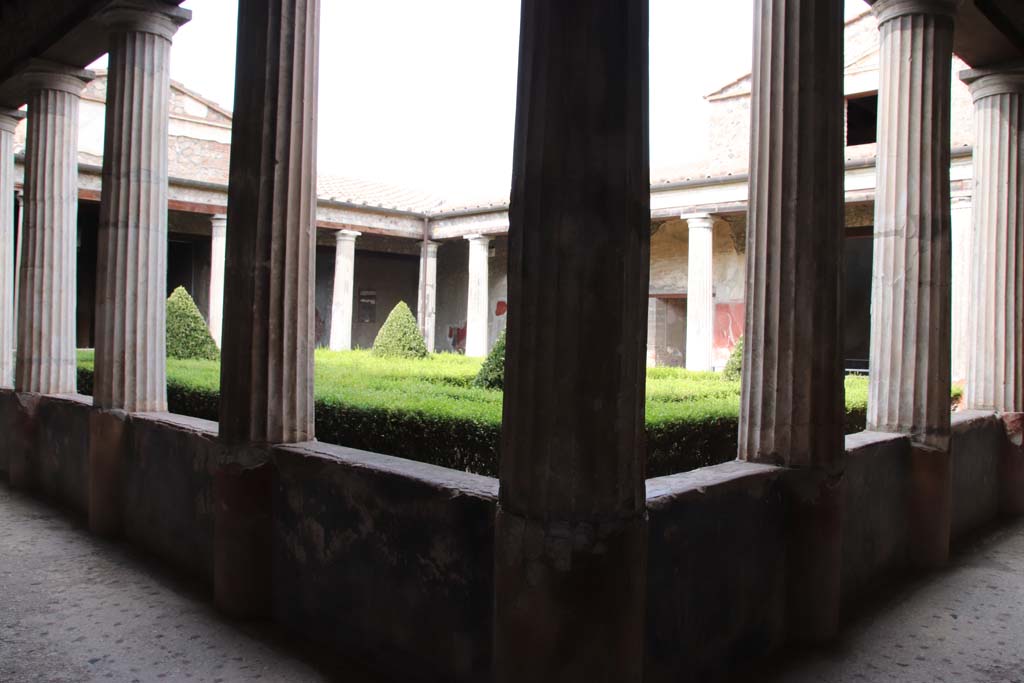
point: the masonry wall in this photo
(394, 278)
(323, 297)
(385, 559)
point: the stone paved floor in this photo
(75, 608)
(962, 625)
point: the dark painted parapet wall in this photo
(391, 561)
(715, 569)
(387, 559)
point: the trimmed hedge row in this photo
(472, 445)
(681, 446)
(458, 444)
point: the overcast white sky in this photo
(422, 93)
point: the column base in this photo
(108, 431)
(814, 555)
(20, 470)
(242, 530)
(569, 600)
(1011, 466)
(931, 505)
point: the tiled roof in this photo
(375, 194)
(382, 195)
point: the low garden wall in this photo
(391, 561)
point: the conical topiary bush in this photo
(187, 334)
(734, 366)
(492, 372)
(399, 337)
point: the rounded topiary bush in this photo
(187, 334)
(734, 366)
(399, 337)
(492, 372)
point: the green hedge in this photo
(427, 410)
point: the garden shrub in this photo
(399, 337)
(492, 372)
(734, 366)
(187, 334)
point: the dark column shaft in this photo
(571, 543)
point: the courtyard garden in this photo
(429, 410)
(440, 408)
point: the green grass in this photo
(428, 409)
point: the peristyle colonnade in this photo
(571, 523)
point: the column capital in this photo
(346, 235)
(887, 10)
(430, 247)
(218, 223)
(1005, 80)
(42, 74)
(144, 16)
(10, 118)
(478, 238)
(699, 220)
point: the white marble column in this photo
(218, 248)
(656, 331)
(700, 305)
(910, 299)
(477, 297)
(996, 328)
(131, 270)
(269, 324)
(960, 230)
(344, 283)
(46, 297)
(426, 309)
(8, 123)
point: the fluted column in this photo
(910, 300)
(792, 405)
(571, 533)
(267, 355)
(19, 200)
(8, 123)
(792, 397)
(344, 282)
(218, 248)
(426, 310)
(960, 230)
(996, 328)
(46, 297)
(700, 304)
(477, 298)
(131, 270)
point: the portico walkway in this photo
(74, 608)
(964, 624)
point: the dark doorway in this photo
(857, 256)
(862, 120)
